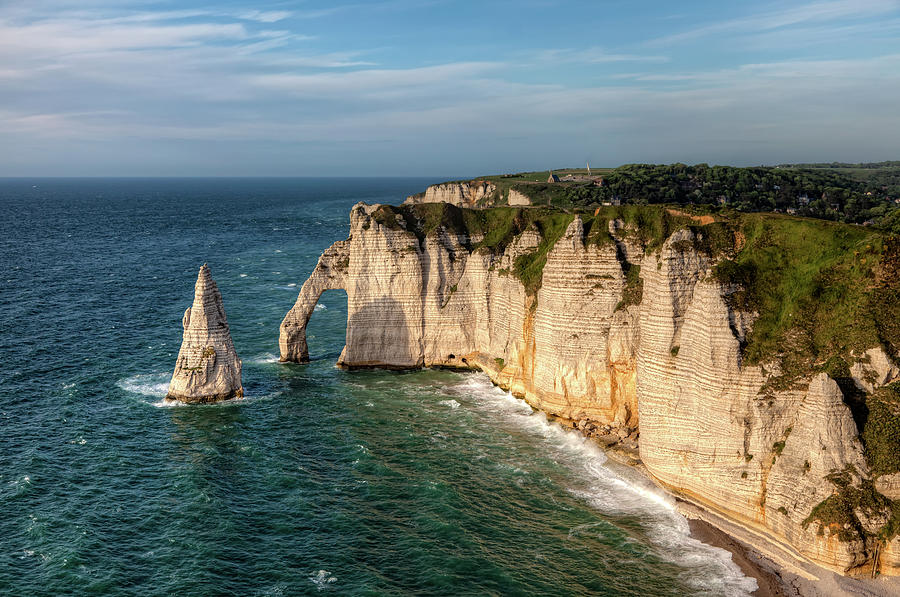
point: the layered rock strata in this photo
(208, 368)
(461, 194)
(660, 358)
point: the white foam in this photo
(450, 403)
(150, 384)
(265, 358)
(582, 529)
(322, 579)
(610, 492)
(319, 307)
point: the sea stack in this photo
(208, 368)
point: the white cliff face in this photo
(517, 198)
(208, 368)
(461, 194)
(669, 368)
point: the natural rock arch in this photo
(330, 274)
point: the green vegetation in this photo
(812, 284)
(500, 363)
(884, 176)
(823, 291)
(634, 287)
(840, 510)
(881, 432)
(529, 268)
(853, 193)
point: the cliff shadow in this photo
(378, 335)
(327, 327)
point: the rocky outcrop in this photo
(330, 273)
(517, 198)
(462, 194)
(208, 368)
(619, 337)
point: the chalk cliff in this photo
(208, 368)
(626, 337)
(462, 194)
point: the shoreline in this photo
(778, 572)
(769, 582)
(775, 579)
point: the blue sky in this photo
(440, 87)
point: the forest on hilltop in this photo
(853, 193)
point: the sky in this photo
(441, 87)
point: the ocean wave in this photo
(222, 403)
(264, 359)
(322, 579)
(155, 385)
(611, 492)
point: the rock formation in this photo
(621, 336)
(461, 194)
(517, 198)
(208, 368)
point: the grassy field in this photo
(543, 175)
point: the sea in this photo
(321, 481)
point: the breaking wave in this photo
(615, 493)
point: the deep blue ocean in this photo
(321, 481)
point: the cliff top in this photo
(824, 292)
(853, 193)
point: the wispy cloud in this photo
(591, 55)
(89, 85)
(814, 12)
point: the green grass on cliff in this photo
(821, 289)
(493, 228)
(529, 268)
(841, 510)
(881, 430)
(816, 285)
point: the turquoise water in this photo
(320, 482)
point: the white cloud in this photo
(237, 84)
(591, 55)
(263, 16)
(814, 12)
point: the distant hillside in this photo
(853, 193)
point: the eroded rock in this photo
(208, 368)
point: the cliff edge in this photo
(751, 358)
